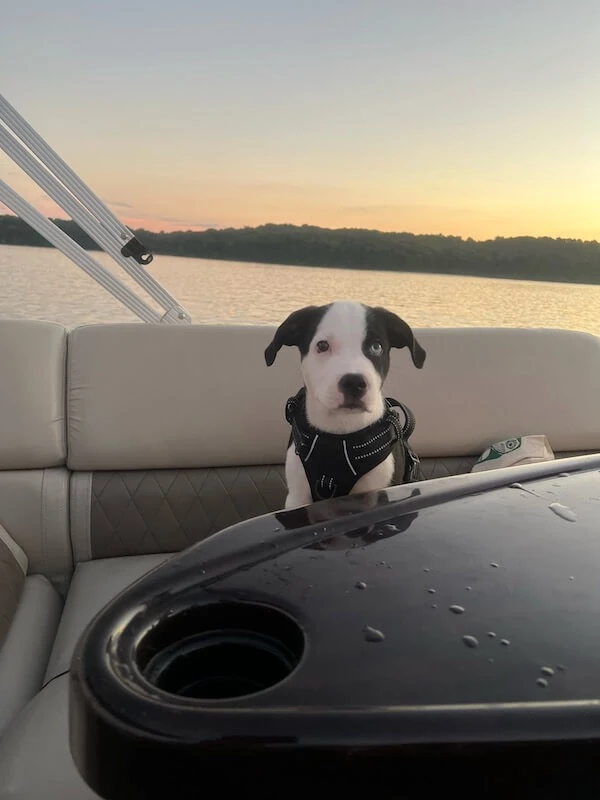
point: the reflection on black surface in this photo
(366, 535)
(329, 510)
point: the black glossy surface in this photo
(385, 667)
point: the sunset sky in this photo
(468, 117)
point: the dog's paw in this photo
(297, 500)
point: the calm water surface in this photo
(41, 283)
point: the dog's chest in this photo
(334, 464)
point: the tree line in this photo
(521, 257)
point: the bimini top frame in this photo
(35, 157)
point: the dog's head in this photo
(345, 354)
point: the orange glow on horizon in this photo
(443, 204)
(536, 225)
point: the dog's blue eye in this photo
(322, 346)
(376, 349)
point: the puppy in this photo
(346, 438)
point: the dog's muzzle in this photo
(353, 386)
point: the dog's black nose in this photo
(353, 385)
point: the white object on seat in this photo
(516, 451)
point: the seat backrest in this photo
(169, 436)
(34, 480)
(177, 431)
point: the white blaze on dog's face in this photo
(342, 368)
(345, 352)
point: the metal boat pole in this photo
(53, 234)
(63, 185)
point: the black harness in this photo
(334, 462)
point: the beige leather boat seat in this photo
(121, 444)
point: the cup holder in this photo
(221, 651)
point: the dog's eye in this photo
(322, 346)
(376, 349)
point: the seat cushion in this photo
(164, 511)
(94, 584)
(35, 759)
(32, 414)
(34, 510)
(26, 649)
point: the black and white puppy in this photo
(341, 416)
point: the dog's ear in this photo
(295, 330)
(400, 334)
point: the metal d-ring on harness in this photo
(333, 463)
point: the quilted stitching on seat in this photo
(162, 511)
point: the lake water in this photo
(41, 283)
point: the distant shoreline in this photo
(571, 261)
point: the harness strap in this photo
(412, 463)
(346, 450)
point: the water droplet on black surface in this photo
(426, 569)
(434, 605)
(523, 489)
(491, 634)
(561, 668)
(431, 591)
(505, 642)
(572, 577)
(456, 609)
(373, 635)
(360, 585)
(542, 682)
(494, 564)
(547, 671)
(468, 588)
(564, 512)
(470, 641)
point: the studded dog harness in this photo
(334, 462)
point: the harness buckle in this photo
(413, 462)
